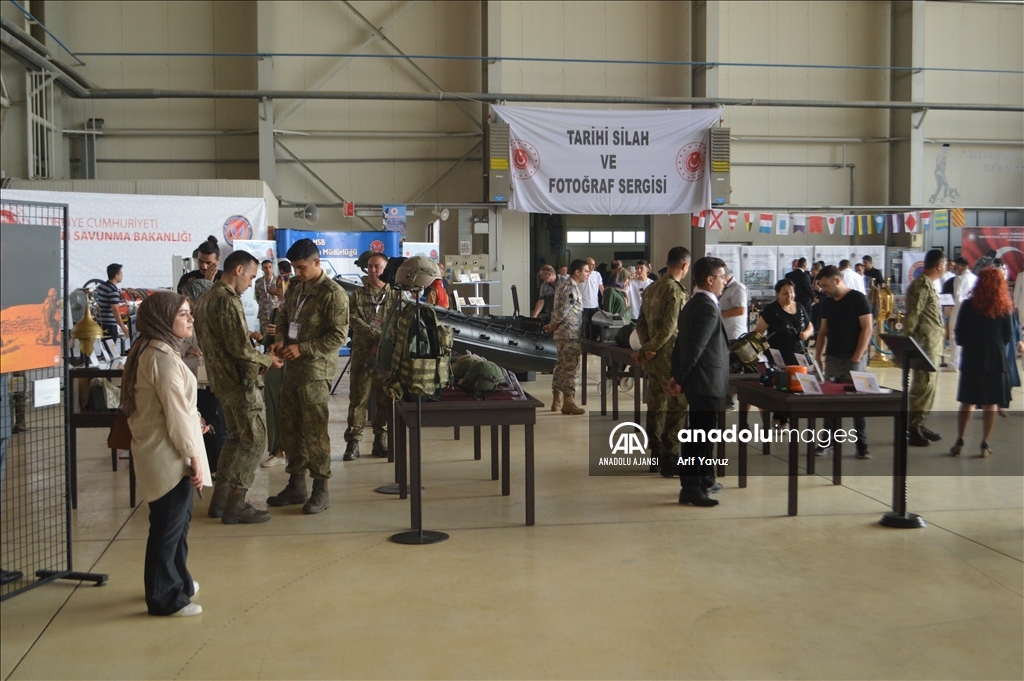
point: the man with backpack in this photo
(313, 325)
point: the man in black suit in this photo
(803, 284)
(700, 369)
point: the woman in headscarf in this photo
(158, 394)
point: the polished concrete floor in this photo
(616, 580)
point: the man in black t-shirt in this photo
(877, 278)
(844, 337)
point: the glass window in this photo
(600, 237)
(577, 237)
(641, 237)
(624, 237)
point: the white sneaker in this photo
(272, 461)
(195, 587)
(189, 610)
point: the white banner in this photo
(832, 254)
(727, 252)
(787, 254)
(591, 162)
(143, 232)
(758, 268)
(877, 253)
(913, 266)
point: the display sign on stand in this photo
(758, 269)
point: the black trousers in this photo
(704, 417)
(168, 582)
(212, 412)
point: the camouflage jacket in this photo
(320, 308)
(657, 326)
(923, 321)
(266, 300)
(367, 308)
(232, 364)
(567, 315)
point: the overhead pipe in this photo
(816, 140)
(37, 62)
(502, 97)
(24, 37)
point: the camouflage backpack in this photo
(414, 356)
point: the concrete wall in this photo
(975, 36)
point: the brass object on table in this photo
(87, 331)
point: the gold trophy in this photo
(885, 301)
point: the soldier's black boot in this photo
(351, 452)
(380, 445)
(318, 501)
(294, 493)
(219, 499)
(238, 510)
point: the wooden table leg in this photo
(131, 479)
(603, 387)
(583, 379)
(837, 455)
(113, 460)
(615, 389)
(720, 472)
(811, 446)
(530, 492)
(637, 377)
(506, 465)
(766, 421)
(494, 452)
(742, 449)
(476, 443)
(794, 470)
(458, 433)
(72, 463)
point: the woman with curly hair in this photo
(982, 331)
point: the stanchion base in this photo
(908, 521)
(391, 489)
(419, 537)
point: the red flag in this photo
(715, 219)
(814, 224)
(733, 215)
(698, 219)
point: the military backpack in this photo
(414, 355)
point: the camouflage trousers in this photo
(568, 366)
(922, 394)
(272, 397)
(247, 440)
(363, 381)
(304, 418)
(665, 415)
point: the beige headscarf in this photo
(154, 321)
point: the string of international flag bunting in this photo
(786, 224)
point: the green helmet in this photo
(363, 261)
(482, 377)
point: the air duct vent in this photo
(499, 179)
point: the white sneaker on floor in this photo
(189, 610)
(272, 461)
(195, 587)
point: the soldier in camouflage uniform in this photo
(565, 326)
(923, 323)
(367, 308)
(234, 368)
(312, 324)
(266, 296)
(657, 330)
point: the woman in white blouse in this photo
(158, 393)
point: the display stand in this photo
(911, 357)
(417, 535)
(476, 294)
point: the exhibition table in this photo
(612, 357)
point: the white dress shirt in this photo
(590, 289)
(852, 279)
